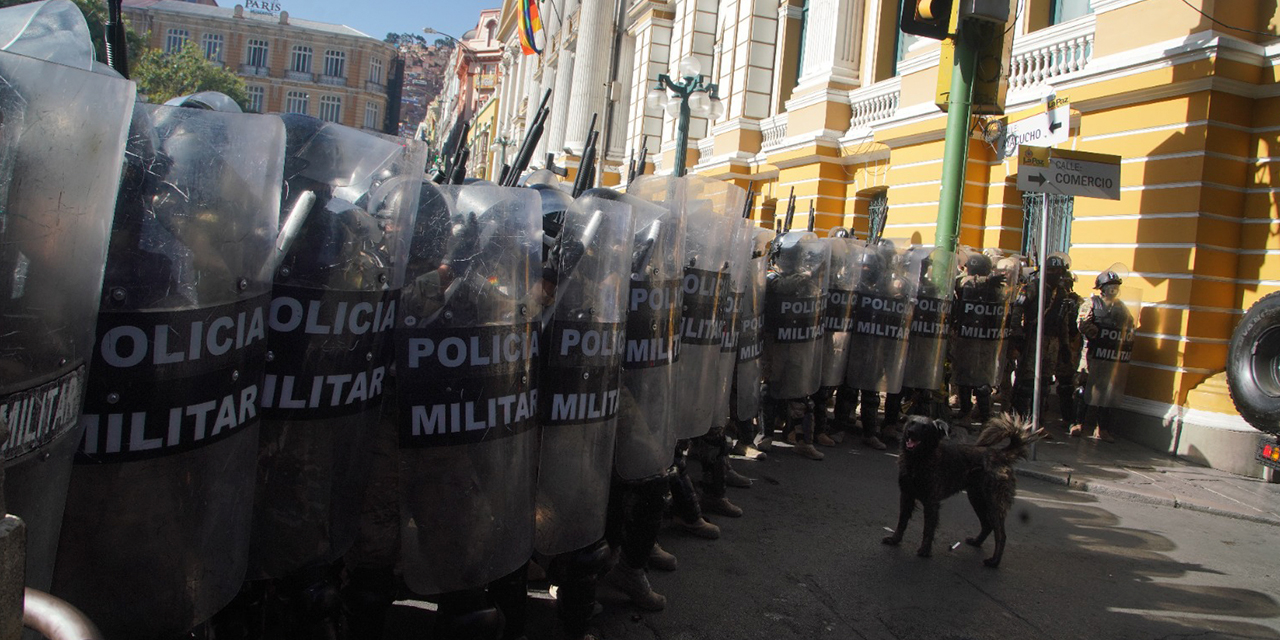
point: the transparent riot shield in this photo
(883, 305)
(981, 323)
(1108, 353)
(793, 314)
(711, 209)
(586, 273)
(156, 534)
(467, 393)
(927, 341)
(748, 376)
(58, 187)
(731, 319)
(329, 332)
(647, 414)
(837, 320)
(53, 30)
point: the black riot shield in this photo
(342, 250)
(837, 319)
(927, 340)
(883, 305)
(1108, 353)
(647, 415)
(748, 374)
(731, 318)
(581, 371)
(794, 293)
(156, 535)
(467, 394)
(57, 186)
(711, 209)
(980, 317)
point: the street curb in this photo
(1144, 498)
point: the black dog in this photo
(930, 471)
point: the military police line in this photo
(307, 373)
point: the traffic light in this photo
(927, 18)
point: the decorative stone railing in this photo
(1043, 55)
(773, 130)
(874, 103)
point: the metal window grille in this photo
(877, 213)
(1061, 211)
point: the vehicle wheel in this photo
(1253, 365)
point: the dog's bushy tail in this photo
(1018, 431)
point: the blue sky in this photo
(378, 18)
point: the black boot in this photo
(467, 615)
(366, 598)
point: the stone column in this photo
(618, 136)
(595, 35)
(560, 102)
(831, 44)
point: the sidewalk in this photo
(1132, 472)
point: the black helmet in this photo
(1105, 278)
(1057, 260)
(978, 265)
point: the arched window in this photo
(331, 108)
(300, 60)
(335, 64)
(296, 102)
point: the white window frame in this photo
(376, 70)
(335, 63)
(257, 46)
(295, 99)
(331, 109)
(372, 113)
(213, 45)
(257, 98)
(301, 54)
(175, 40)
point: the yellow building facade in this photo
(827, 99)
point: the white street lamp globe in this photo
(717, 109)
(689, 67)
(654, 99)
(700, 104)
(673, 106)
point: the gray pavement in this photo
(1130, 471)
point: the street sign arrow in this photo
(1070, 173)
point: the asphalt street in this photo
(806, 561)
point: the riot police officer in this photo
(794, 288)
(1061, 305)
(982, 313)
(1107, 322)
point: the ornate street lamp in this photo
(690, 96)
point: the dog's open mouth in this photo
(911, 444)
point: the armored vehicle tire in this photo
(1253, 365)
